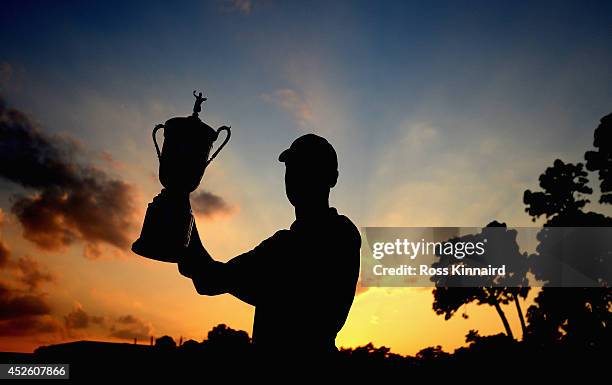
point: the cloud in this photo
(14, 304)
(25, 313)
(242, 6)
(294, 103)
(31, 273)
(108, 158)
(77, 319)
(30, 325)
(95, 211)
(210, 205)
(69, 201)
(23, 310)
(5, 252)
(420, 136)
(6, 74)
(25, 270)
(80, 319)
(83, 324)
(129, 327)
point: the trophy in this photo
(167, 226)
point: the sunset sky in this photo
(442, 114)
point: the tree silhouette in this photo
(227, 341)
(564, 185)
(165, 343)
(578, 316)
(369, 357)
(501, 248)
(218, 355)
(224, 334)
(432, 353)
(601, 160)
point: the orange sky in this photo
(113, 286)
(122, 295)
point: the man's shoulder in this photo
(282, 235)
(347, 229)
(337, 225)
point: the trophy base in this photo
(166, 230)
(146, 248)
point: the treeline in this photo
(578, 317)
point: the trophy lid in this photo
(191, 125)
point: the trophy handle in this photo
(227, 138)
(155, 140)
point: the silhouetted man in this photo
(302, 280)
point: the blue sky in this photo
(456, 105)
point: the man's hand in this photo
(186, 264)
(195, 258)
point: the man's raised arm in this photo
(212, 277)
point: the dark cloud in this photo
(80, 323)
(80, 319)
(31, 158)
(31, 273)
(25, 270)
(25, 313)
(129, 327)
(98, 211)
(30, 326)
(15, 304)
(127, 320)
(4, 254)
(23, 309)
(77, 319)
(69, 201)
(209, 205)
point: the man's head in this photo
(311, 170)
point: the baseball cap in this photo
(311, 149)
